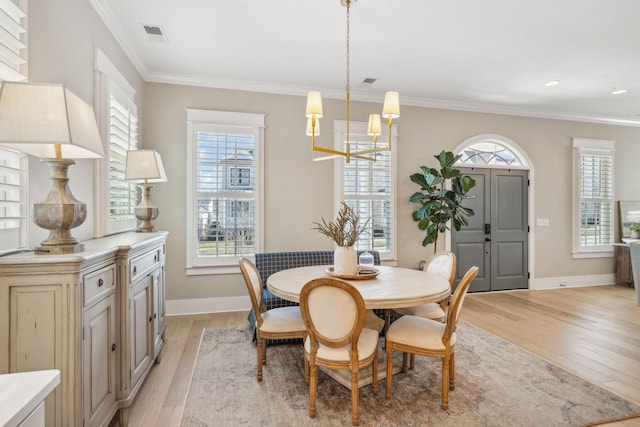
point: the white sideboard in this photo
(97, 316)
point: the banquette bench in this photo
(268, 263)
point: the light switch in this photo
(542, 222)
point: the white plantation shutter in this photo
(123, 136)
(13, 196)
(594, 195)
(369, 187)
(224, 193)
(12, 47)
(14, 211)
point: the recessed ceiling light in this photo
(552, 83)
(615, 91)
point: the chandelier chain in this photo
(348, 3)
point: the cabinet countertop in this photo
(22, 392)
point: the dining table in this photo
(381, 287)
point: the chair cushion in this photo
(428, 311)
(283, 319)
(418, 332)
(367, 344)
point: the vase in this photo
(635, 235)
(345, 261)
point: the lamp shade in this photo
(35, 117)
(374, 128)
(391, 107)
(314, 104)
(144, 165)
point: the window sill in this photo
(599, 254)
(206, 270)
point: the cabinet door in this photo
(99, 359)
(141, 317)
(158, 315)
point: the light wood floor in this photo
(593, 332)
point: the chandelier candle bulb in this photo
(375, 128)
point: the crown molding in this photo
(104, 12)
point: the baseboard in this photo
(207, 305)
(573, 281)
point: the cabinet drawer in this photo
(143, 264)
(98, 283)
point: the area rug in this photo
(497, 384)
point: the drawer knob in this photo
(150, 318)
(100, 282)
(135, 269)
(155, 258)
(155, 315)
(113, 347)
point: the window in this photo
(13, 165)
(117, 115)
(369, 187)
(593, 198)
(490, 152)
(224, 189)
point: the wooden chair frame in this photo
(316, 338)
(447, 355)
(254, 286)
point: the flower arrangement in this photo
(346, 229)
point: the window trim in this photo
(196, 265)
(360, 129)
(107, 74)
(580, 145)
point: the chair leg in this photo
(452, 372)
(412, 362)
(264, 351)
(404, 361)
(306, 370)
(354, 396)
(389, 370)
(374, 374)
(312, 391)
(260, 357)
(445, 382)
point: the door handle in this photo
(487, 239)
(487, 229)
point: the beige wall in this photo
(62, 38)
(299, 191)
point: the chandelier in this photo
(390, 111)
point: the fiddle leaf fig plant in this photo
(440, 198)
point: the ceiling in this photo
(488, 55)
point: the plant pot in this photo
(635, 235)
(345, 261)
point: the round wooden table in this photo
(394, 287)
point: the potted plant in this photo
(635, 230)
(344, 231)
(440, 197)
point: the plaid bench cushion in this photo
(268, 263)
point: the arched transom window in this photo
(490, 153)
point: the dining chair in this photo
(277, 323)
(428, 337)
(334, 314)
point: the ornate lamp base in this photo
(59, 212)
(146, 211)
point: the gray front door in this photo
(497, 237)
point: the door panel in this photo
(509, 229)
(496, 239)
(469, 244)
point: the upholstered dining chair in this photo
(428, 337)
(277, 323)
(334, 314)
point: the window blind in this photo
(226, 192)
(12, 49)
(367, 187)
(596, 198)
(13, 196)
(123, 136)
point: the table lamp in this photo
(145, 166)
(51, 122)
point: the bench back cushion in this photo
(268, 263)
